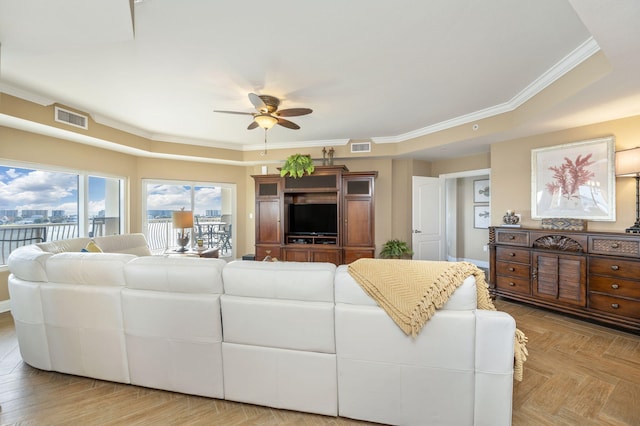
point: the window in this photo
(213, 206)
(38, 205)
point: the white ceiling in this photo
(381, 70)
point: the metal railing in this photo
(14, 236)
(160, 234)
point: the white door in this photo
(428, 222)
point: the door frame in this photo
(450, 228)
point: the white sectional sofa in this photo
(298, 336)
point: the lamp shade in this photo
(182, 219)
(265, 121)
(628, 162)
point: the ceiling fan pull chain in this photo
(265, 142)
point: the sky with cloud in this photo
(28, 189)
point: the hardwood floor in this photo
(577, 374)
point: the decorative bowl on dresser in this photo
(593, 275)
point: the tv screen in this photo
(318, 219)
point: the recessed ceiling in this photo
(386, 70)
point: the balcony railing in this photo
(14, 236)
(160, 234)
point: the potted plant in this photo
(396, 249)
(297, 165)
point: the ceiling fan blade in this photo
(234, 112)
(258, 102)
(253, 125)
(293, 112)
(288, 124)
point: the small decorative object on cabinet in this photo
(592, 275)
(325, 216)
(511, 219)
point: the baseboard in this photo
(5, 305)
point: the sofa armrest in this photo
(29, 263)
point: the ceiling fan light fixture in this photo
(265, 121)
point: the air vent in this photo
(360, 147)
(71, 118)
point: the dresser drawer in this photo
(513, 269)
(614, 267)
(616, 246)
(516, 238)
(519, 285)
(509, 254)
(615, 305)
(615, 286)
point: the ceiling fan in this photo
(268, 114)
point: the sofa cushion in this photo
(302, 281)
(61, 246)
(99, 269)
(175, 274)
(126, 243)
(286, 324)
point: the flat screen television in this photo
(313, 219)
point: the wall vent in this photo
(71, 118)
(358, 147)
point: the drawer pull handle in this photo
(615, 267)
(512, 237)
(615, 286)
(511, 269)
(615, 245)
(512, 254)
(615, 305)
(512, 284)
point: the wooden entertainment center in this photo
(335, 191)
(594, 275)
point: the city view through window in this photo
(42, 205)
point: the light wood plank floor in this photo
(577, 374)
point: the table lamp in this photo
(628, 165)
(182, 219)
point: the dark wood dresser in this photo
(594, 275)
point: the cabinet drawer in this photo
(509, 254)
(518, 238)
(614, 246)
(520, 285)
(615, 286)
(513, 269)
(615, 305)
(614, 267)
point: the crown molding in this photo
(588, 48)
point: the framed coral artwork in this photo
(575, 180)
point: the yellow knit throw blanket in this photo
(411, 290)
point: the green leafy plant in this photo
(297, 165)
(396, 249)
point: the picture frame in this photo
(574, 180)
(481, 191)
(481, 216)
